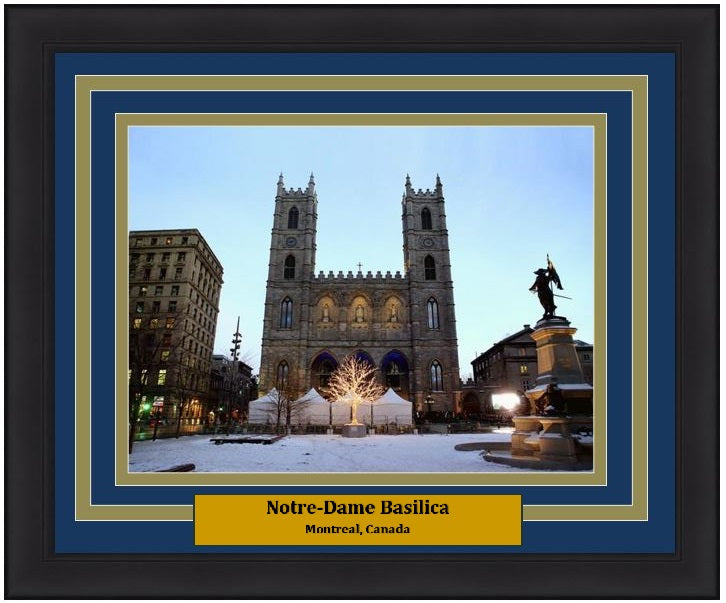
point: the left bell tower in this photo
(290, 272)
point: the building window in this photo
(169, 240)
(137, 323)
(185, 240)
(525, 385)
(282, 372)
(289, 267)
(436, 377)
(165, 257)
(159, 290)
(142, 291)
(432, 313)
(149, 257)
(178, 273)
(154, 323)
(170, 322)
(147, 274)
(286, 313)
(162, 274)
(425, 219)
(156, 307)
(429, 268)
(153, 241)
(166, 340)
(292, 218)
(165, 355)
(523, 369)
(181, 256)
(139, 307)
(162, 377)
(586, 356)
(175, 290)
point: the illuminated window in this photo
(169, 240)
(154, 323)
(165, 355)
(144, 376)
(162, 377)
(170, 323)
(523, 369)
(289, 267)
(137, 323)
(425, 219)
(292, 218)
(142, 291)
(429, 268)
(432, 313)
(436, 377)
(286, 313)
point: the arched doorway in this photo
(321, 369)
(394, 370)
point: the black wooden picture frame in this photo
(34, 34)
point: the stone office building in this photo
(402, 323)
(174, 286)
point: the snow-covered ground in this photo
(323, 454)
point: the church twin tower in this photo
(403, 324)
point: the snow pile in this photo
(431, 453)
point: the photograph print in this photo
(361, 299)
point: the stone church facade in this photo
(403, 324)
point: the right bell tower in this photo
(431, 293)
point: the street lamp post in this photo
(429, 402)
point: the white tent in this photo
(263, 410)
(389, 408)
(314, 409)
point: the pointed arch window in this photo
(429, 268)
(437, 382)
(282, 372)
(292, 218)
(425, 219)
(286, 313)
(432, 313)
(289, 267)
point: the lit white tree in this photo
(354, 380)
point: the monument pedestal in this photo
(560, 381)
(354, 430)
(560, 402)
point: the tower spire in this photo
(408, 184)
(311, 184)
(438, 184)
(280, 185)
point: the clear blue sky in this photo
(513, 194)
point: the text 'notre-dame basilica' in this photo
(403, 324)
